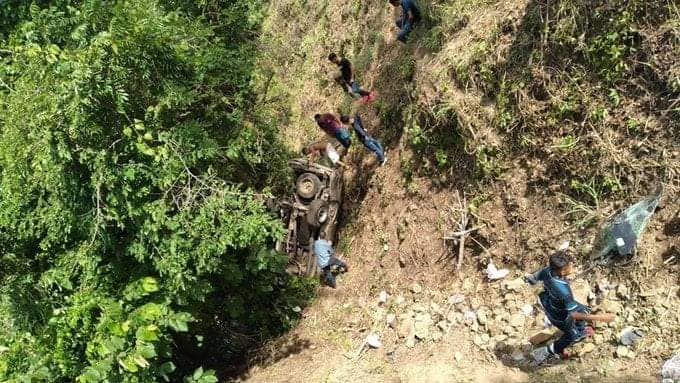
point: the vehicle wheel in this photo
(317, 213)
(307, 185)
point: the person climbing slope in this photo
(410, 16)
(369, 142)
(347, 80)
(325, 259)
(333, 127)
(560, 307)
(318, 149)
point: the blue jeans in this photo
(572, 331)
(373, 145)
(406, 27)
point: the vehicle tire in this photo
(307, 185)
(317, 213)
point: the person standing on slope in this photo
(410, 16)
(561, 309)
(333, 127)
(325, 259)
(347, 80)
(369, 142)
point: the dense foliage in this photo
(130, 138)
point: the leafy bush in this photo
(131, 149)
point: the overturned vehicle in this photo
(312, 208)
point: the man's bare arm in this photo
(593, 317)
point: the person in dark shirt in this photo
(410, 16)
(560, 307)
(333, 127)
(347, 79)
(369, 142)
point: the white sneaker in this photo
(542, 354)
(383, 161)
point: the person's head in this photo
(560, 263)
(322, 235)
(395, 3)
(333, 58)
(344, 119)
(317, 117)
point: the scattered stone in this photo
(405, 328)
(382, 297)
(481, 317)
(457, 356)
(455, 299)
(443, 325)
(611, 306)
(391, 320)
(671, 368)
(587, 348)
(517, 320)
(477, 340)
(517, 356)
(630, 335)
(622, 351)
(543, 336)
(399, 300)
(416, 288)
(436, 336)
(419, 308)
(514, 285)
(373, 341)
(598, 339)
(469, 317)
(422, 326)
(485, 338)
(410, 341)
(500, 338)
(386, 247)
(468, 284)
(435, 308)
(581, 289)
(622, 291)
(527, 310)
(475, 303)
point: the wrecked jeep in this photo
(313, 207)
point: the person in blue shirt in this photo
(369, 142)
(560, 307)
(410, 16)
(325, 259)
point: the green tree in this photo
(132, 158)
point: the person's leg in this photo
(344, 138)
(399, 23)
(373, 145)
(328, 277)
(570, 335)
(337, 262)
(405, 31)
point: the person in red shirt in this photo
(334, 128)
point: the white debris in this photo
(297, 309)
(455, 299)
(373, 341)
(494, 274)
(629, 336)
(671, 369)
(527, 310)
(382, 297)
(469, 316)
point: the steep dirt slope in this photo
(395, 216)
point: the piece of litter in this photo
(671, 369)
(297, 309)
(494, 274)
(373, 341)
(382, 298)
(620, 242)
(527, 310)
(629, 336)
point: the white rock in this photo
(411, 341)
(457, 356)
(517, 356)
(391, 320)
(373, 341)
(527, 310)
(514, 285)
(416, 288)
(399, 300)
(481, 317)
(671, 368)
(382, 297)
(494, 274)
(455, 299)
(621, 351)
(469, 317)
(297, 309)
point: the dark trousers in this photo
(328, 276)
(570, 335)
(406, 27)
